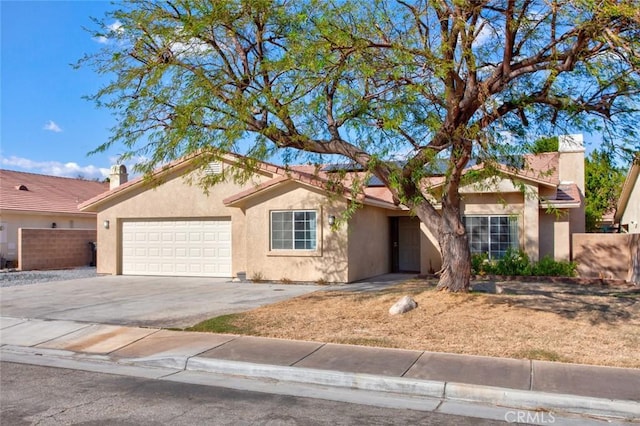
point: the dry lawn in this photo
(559, 322)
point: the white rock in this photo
(405, 304)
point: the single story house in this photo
(29, 200)
(628, 209)
(279, 225)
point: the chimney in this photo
(118, 176)
(571, 161)
(571, 170)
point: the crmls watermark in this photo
(536, 417)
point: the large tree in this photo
(433, 79)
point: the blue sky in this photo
(46, 127)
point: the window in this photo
(293, 230)
(493, 235)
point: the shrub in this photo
(514, 262)
(480, 264)
(517, 263)
(547, 267)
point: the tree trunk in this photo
(456, 257)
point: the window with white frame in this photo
(493, 235)
(293, 230)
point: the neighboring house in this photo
(278, 227)
(30, 200)
(628, 209)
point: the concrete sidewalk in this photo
(612, 393)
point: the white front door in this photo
(200, 248)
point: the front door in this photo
(405, 239)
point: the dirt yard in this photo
(588, 324)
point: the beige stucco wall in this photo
(369, 243)
(175, 198)
(562, 235)
(327, 263)
(632, 212)
(12, 221)
(571, 169)
(546, 234)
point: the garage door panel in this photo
(180, 248)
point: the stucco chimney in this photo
(118, 176)
(571, 161)
(571, 170)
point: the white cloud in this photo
(52, 126)
(54, 168)
(114, 28)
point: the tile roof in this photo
(567, 193)
(541, 168)
(51, 194)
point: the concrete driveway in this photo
(141, 301)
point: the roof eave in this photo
(625, 194)
(238, 201)
(46, 212)
(560, 204)
(375, 202)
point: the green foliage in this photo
(548, 267)
(540, 354)
(603, 183)
(545, 144)
(480, 264)
(517, 263)
(514, 262)
(364, 82)
(221, 324)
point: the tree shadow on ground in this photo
(599, 304)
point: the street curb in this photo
(398, 387)
(518, 399)
(424, 388)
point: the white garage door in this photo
(199, 248)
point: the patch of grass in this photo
(285, 280)
(230, 324)
(630, 295)
(366, 341)
(540, 354)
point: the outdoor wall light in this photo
(54, 225)
(332, 220)
(105, 224)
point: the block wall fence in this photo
(608, 256)
(54, 248)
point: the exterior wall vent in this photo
(214, 168)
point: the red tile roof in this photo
(43, 193)
(541, 168)
(567, 194)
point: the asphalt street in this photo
(54, 396)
